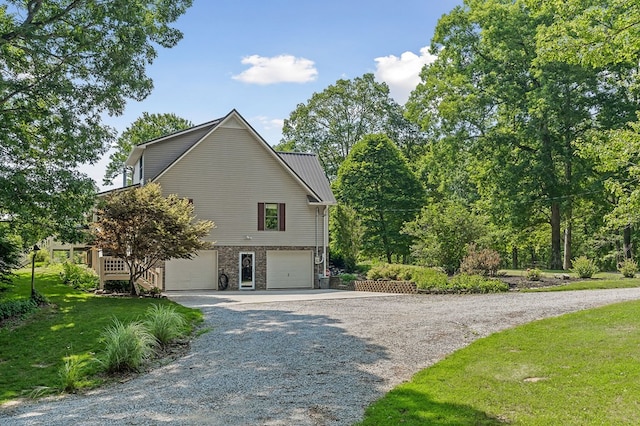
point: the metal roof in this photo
(308, 168)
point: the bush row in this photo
(19, 307)
(436, 281)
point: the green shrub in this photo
(127, 346)
(79, 276)
(628, 268)
(42, 257)
(117, 286)
(392, 272)
(165, 324)
(464, 283)
(480, 262)
(9, 256)
(348, 278)
(533, 274)
(426, 278)
(585, 268)
(16, 308)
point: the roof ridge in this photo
(188, 129)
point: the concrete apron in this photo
(205, 298)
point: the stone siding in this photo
(228, 262)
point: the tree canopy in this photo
(332, 121)
(64, 65)
(376, 181)
(143, 228)
(515, 117)
(145, 128)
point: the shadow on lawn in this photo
(408, 407)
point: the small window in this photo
(271, 217)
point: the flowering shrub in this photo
(480, 262)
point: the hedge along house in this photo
(270, 209)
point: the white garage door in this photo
(289, 269)
(199, 273)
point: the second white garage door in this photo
(289, 269)
(199, 273)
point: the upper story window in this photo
(271, 217)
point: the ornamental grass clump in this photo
(72, 374)
(127, 346)
(165, 323)
(584, 267)
(628, 268)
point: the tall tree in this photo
(376, 181)
(332, 121)
(143, 228)
(64, 64)
(346, 236)
(603, 34)
(517, 115)
(145, 128)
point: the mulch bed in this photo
(520, 282)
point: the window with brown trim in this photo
(271, 217)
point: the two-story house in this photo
(271, 209)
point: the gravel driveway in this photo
(313, 362)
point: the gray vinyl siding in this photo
(227, 175)
(158, 156)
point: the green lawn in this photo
(32, 350)
(549, 273)
(577, 369)
(591, 284)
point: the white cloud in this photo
(270, 123)
(278, 69)
(402, 74)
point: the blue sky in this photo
(265, 57)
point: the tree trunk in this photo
(514, 257)
(627, 246)
(132, 287)
(556, 258)
(567, 248)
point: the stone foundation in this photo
(229, 264)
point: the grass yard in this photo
(33, 350)
(591, 284)
(576, 369)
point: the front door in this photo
(247, 271)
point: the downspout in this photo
(316, 235)
(325, 215)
